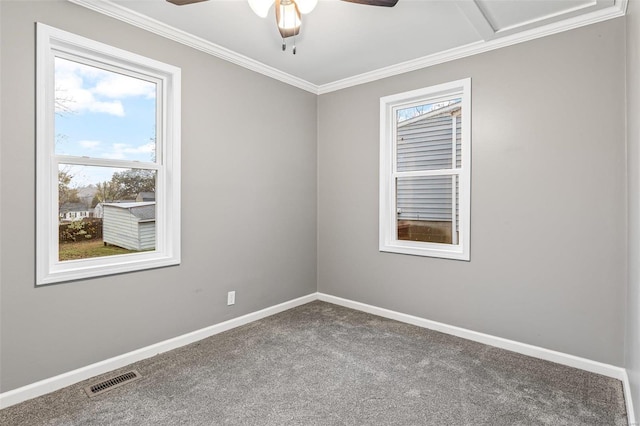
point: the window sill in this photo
(442, 251)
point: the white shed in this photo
(130, 225)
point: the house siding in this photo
(427, 145)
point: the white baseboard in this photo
(487, 339)
(631, 415)
(45, 386)
(63, 380)
(511, 345)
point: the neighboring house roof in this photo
(144, 211)
(74, 207)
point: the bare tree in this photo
(66, 193)
(107, 192)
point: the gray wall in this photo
(632, 341)
(548, 251)
(548, 256)
(248, 207)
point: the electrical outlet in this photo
(231, 298)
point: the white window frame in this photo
(52, 43)
(389, 241)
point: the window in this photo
(108, 159)
(425, 151)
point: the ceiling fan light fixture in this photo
(261, 7)
(288, 18)
(288, 12)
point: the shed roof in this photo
(145, 210)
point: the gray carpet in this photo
(321, 364)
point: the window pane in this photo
(104, 211)
(103, 114)
(425, 209)
(425, 136)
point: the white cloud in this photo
(122, 151)
(121, 86)
(81, 88)
(72, 97)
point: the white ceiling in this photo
(342, 43)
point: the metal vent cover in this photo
(111, 383)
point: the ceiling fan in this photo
(288, 12)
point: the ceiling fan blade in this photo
(184, 2)
(385, 3)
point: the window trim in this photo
(388, 241)
(52, 42)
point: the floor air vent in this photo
(114, 382)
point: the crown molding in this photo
(113, 10)
(108, 8)
(615, 11)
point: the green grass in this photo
(87, 249)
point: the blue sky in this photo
(103, 114)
